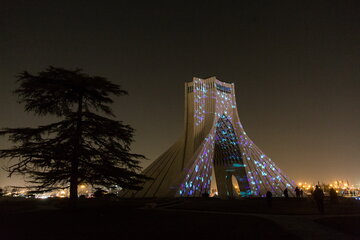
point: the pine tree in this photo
(84, 146)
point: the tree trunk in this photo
(75, 158)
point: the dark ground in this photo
(169, 219)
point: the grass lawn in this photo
(35, 219)
(132, 219)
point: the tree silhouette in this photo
(83, 147)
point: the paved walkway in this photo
(302, 226)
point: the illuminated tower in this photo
(214, 154)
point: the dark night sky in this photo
(295, 64)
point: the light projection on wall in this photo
(213, 151)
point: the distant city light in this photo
(43, 197)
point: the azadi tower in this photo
(214, 155)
